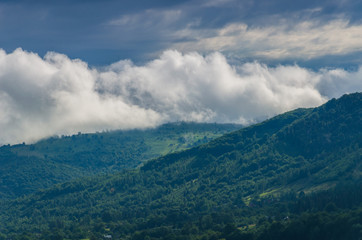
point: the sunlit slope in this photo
(299, 151)
(27, 168)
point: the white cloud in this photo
(281, 40)
(216, 3)
(148, 18)
(40, 97)
(56, 95)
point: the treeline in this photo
(322, 216)
(28, 168)
(254, 183)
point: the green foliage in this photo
(298, 174)
(28, 168)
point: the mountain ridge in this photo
(26, 168)
(242, 176)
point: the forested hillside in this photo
(295, 176)
(27, 168)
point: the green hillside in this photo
(27, 168)
(297, 173)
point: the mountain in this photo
(27, 168)
(299, 172)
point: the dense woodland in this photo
(27, 168)
(295, 176)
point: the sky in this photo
(84, 66)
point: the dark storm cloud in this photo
(102, 32)
(230, 61)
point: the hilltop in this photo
(28, 168)
(261, 182)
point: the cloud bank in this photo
(54, 95)
(306, 39)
